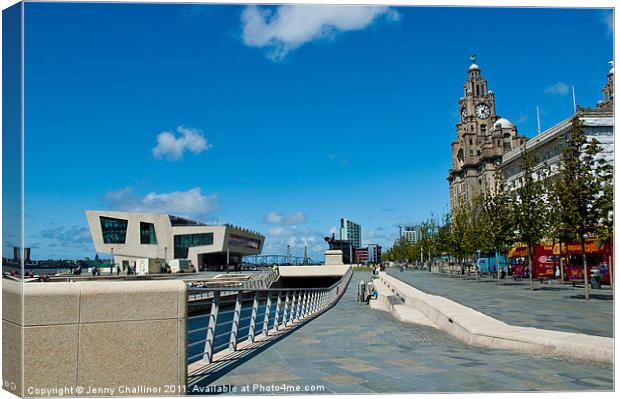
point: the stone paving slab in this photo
(550, 307)
(361, 350)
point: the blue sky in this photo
(282, 120)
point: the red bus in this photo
(543, 262)
(597, 257)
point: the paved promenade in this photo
(551, 307)
(354, 349)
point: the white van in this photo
(181, 266)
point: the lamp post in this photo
(113, 263)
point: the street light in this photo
(400, 244)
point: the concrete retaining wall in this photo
(124, 338)
(478, 329)
(314, 271)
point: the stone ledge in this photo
(99, 333)
(478, 329)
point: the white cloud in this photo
(171, 147)
(180, 202)
(296, 237)
(277, 232)
(291, 26)
(523, 118)
(75, 237)
(343, 162)
(608, 20)
(559, 88)
(278, 218)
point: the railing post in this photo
(267, 310)
(286, 310)
(276, 318)
(312, 298)
(253, 317)
(311, 303)
(317, 302)
(300, 304)
(232, 344)
(293, 308)
(215, 304)
(304, 310)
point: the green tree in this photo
(557, 230)
(605, 204)
(529, 207)
(497, 221)
(583, 192)
(460, 243)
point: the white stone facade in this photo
(224, 241)
(547, 146)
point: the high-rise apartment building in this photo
(351, 231)
(411, 233)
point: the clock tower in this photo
(482, 138)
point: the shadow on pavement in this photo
(602, 297)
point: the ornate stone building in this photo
(547, 146)
(482, 138)
(608, 90)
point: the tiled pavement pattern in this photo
(551, 307)
(353, 349)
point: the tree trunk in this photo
(585, 268)
(561, 264)
(611, 276)
(497, 263)
(554, 262)
(529, 265)
(477, 268)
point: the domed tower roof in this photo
(611, 71)
(503, 123)
(474, 70)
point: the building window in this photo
(147, 233)
(178, 221)
(483, 129)
(245, 242)
(182, 242)
(114, 230)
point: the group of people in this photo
(374, 294)
(130, 270)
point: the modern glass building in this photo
(351, 231)
(129, 236)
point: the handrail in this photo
(279, 309)
(199, 289)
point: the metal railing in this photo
(207, 288)
(243, 315)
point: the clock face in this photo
(463, 113)
(483, 111)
